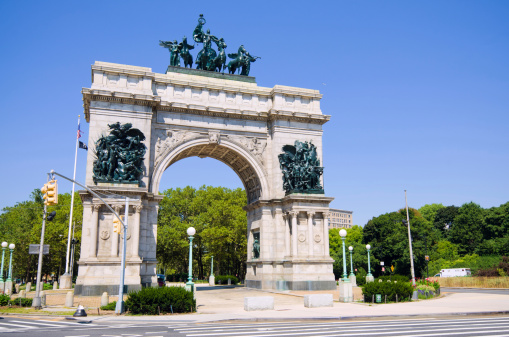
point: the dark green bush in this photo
(152, 301)
(224, 279)
(109, 306)
(403, 289)
(179, 277)
(22, 302)
(392, 278)
(4, 300)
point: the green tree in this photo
(444, 218)
(467, 228)
(429, 211)
(221, 224)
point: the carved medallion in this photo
(122, 233)
(213, 137)
(318, 238)
(302, 237)
(105, 235)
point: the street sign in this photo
(392, 269)
(426, 257)
(381, 263)
(34, 249)
(383, 268)
(378, 298)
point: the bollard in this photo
(105, 300)
(22, 294)
(55, 285)
(229, 281)
(29, 286)
(43, 298)
(17, 287)
(373, 299)
(69, 299)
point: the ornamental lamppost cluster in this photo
(11, 248)
(342, 233)
(4, 246)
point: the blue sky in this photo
(418, 91)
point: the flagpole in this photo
(72, 203)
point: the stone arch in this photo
(245, 165)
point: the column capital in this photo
(326, 214)
(293, 214)
(116, 208)
(96, 207)
(311, 214)
(138, 208)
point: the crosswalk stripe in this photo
(356, 323)
(23, 326)
(36, 323)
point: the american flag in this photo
(79, 131)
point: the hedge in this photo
(404, 290)
(224, 279)
(152, 301)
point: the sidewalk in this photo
(227, 304)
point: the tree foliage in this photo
(21, 224)
(221, 225)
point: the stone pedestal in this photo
(345, 292)
(28, 287)
(353, 280)
(55, 285)
(370, 279)
(66, 281)
(2, 287)
(294, 244)
(212, 280)
(8, 287)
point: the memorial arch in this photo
(186, 113)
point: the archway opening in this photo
(217, 213)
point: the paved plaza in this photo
(222, 303)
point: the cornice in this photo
(159, 105)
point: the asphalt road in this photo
(475, 290)
(458, 327)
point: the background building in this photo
(339, 218)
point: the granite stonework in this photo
(185, 114)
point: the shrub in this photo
(109, 306)
(403, 289)
(22, 302)
(4, 300)
(224, 279)
(152, 301)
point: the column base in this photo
(345, 292)
(353, 280)
(8, 287)
(370, 278)
(66, 281)
(212, 280)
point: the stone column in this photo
(94, 229)
(326, 233)
(310, 232)
(135, 232)
(287, 217)
(114, 236)
(293, 215)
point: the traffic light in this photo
(404, 222)
(50, 193)
(117, 225)
(50, 216)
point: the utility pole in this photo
(410, 242)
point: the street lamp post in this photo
(342, 233)
(352, 277)
(2, 285)
(369, 277)
(8, 283)
(351, 261)
(190, 285)
(345, 288)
